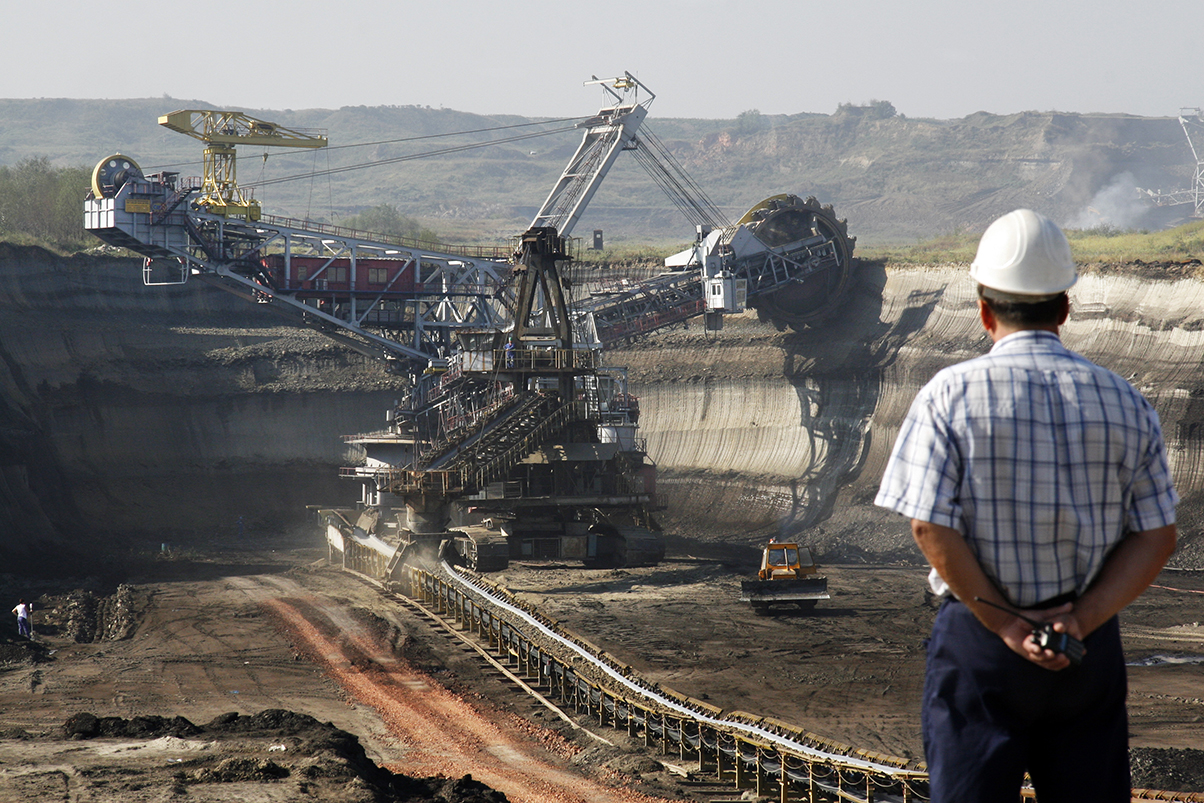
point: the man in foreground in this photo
(1034, 480)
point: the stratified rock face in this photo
(173, 412)
(163, 412)
(753, 429)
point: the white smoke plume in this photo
(1116, 204)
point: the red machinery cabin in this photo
(320, 275)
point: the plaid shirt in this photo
(1040, 458)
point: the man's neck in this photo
(1000, 331)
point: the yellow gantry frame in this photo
(221, 131)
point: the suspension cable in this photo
(397, 159)
(418, 138)
(683, 191)
(659, 175)
(673, 189)
(459, 133)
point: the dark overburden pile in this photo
(316, 752)
(1167, 769)
(90, 726)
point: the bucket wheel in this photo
(783, 221)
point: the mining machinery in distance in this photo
(788, 576)
(515, 440)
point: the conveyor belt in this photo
(773, 757)
(751, 752)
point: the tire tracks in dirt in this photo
(438, 733)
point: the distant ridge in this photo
(896, 179)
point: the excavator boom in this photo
(607, 133)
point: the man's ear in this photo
(1065, 313)
(987, 316)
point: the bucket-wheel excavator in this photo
(515, 441)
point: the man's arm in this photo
(947, 551)
(1127, 572)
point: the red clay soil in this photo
(437, 732)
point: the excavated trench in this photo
(172, 413)
(162, 414)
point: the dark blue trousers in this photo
(988, 715)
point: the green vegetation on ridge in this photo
(1107, 244)
(43, 204)
(1103, 244)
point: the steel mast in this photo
(1192, 121)
(610, 131)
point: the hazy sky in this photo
(702, 58)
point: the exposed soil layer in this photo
(303, 756)
(237, 640)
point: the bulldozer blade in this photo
(767, 592)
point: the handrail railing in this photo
(502, 463)
(469, 479)
(540, 359)
(470, 424)
(496, 253)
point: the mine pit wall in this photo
(754, 429)
(164, 413)
(168, 413)
(193, 467)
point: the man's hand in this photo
(948, 552)
(1018, 635)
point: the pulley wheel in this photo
(111, 173)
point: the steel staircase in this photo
(497, 449)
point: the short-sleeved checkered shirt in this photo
(1040, 458)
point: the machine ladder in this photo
(495, 451)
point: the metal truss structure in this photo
(221, 131)
(387, 297)
(429, 290)
(1192, 122)
(612, 130)
(405, 300)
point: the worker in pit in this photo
(1035, 480)
(509, 348)
(24, 614)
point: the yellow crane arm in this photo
(217, 127)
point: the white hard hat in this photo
(1024, 254)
